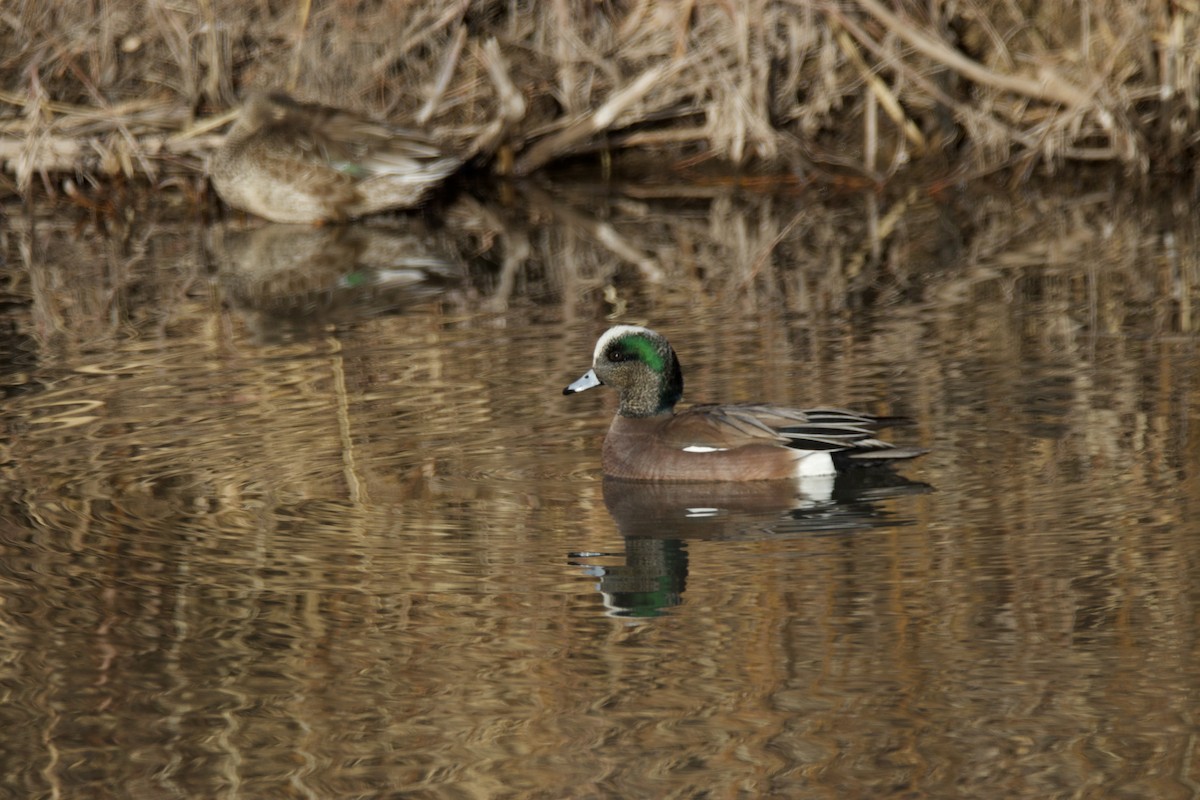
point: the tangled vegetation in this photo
(143, 88)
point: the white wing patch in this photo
(700, 448)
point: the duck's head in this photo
(640, 364)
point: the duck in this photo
(295, 162)
(649, 440)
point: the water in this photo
(275, 526)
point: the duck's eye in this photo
(618, 355)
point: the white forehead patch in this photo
(615, 332)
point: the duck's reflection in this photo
(657, 519)
(295, 281)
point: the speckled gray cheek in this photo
(641, 388)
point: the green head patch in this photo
(645, 351)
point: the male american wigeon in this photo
(649, 440)
(307, 163)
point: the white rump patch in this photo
(700, 448)
(813, 464)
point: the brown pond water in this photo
(304, 513)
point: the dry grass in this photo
(140, 88)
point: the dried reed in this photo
(137, 88)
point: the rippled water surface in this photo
(302, 512)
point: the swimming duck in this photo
(306, 163)
(649, 440)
